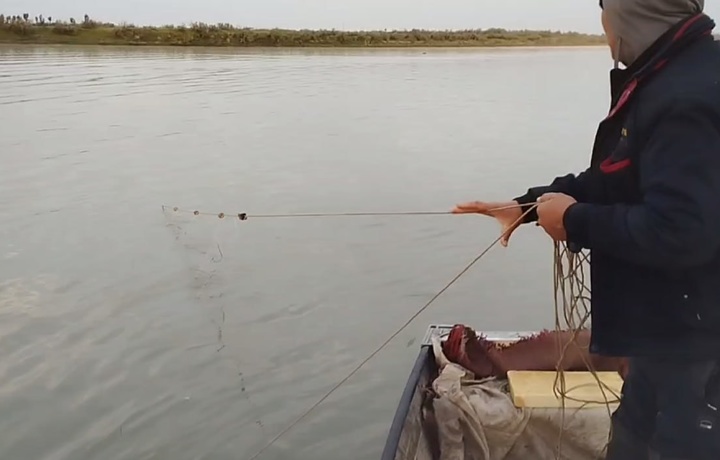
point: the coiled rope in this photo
(572, 313)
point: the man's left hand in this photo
(551, 210)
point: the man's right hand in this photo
(508, 214)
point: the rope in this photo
(395, 334)
(245, 216)
(572, 297)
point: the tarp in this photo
(477, 420)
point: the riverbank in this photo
(92, 33)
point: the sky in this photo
(563, 15)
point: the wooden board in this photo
(533, 389)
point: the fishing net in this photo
(478, 420)
(208, 262)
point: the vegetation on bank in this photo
(41, 30)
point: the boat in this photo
(414, 433)
(409, 438)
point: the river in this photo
(132, 333)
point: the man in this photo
(648, 209)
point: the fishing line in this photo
(407, 323)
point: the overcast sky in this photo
(579, 15)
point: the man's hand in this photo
(551, 211)
(507, 214)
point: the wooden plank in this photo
(535, 389)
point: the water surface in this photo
(127, 333)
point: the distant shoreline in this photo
(39, 31)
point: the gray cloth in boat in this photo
(638, 23)
(479, 421)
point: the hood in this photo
(637, 24)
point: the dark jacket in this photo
(649, 204)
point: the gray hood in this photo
(639, 23)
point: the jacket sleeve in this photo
(570, 184)
(677, 223)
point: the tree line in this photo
(40, 29)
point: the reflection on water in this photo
(129, 333)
